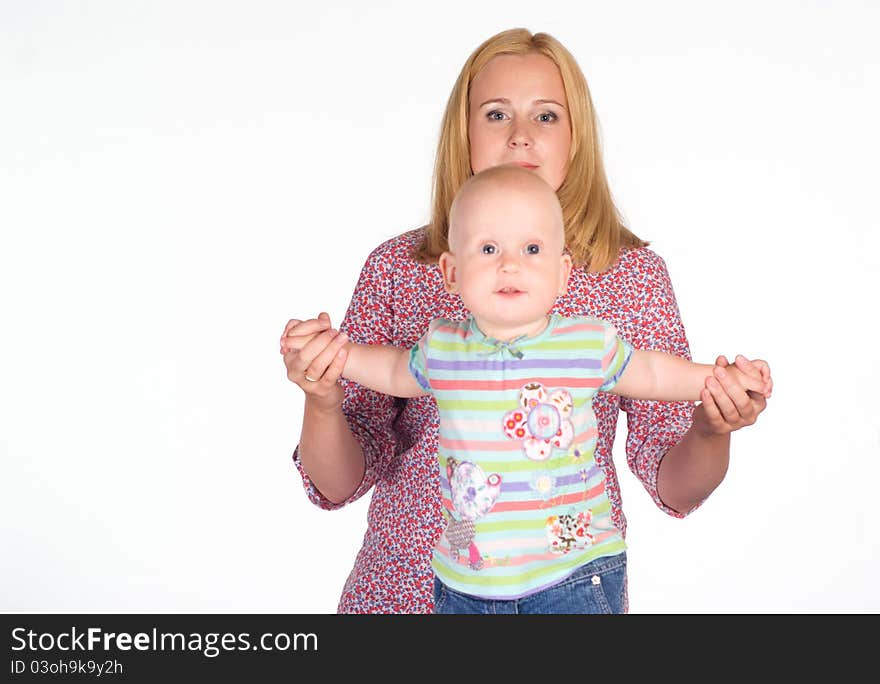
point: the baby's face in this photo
(506, 256)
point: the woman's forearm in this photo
(329, 453)
(693, 468)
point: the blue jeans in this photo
(599, 587)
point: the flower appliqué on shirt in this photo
(473, 495)
(543, 484)
(542, 421)
(569, 531)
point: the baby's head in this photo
(506, 253)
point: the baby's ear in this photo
(564, 273)
(447, 268)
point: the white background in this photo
(177, 179)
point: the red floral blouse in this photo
(393, 303)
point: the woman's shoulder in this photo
(393, 266)
(635, 295)
(400, 248)
(640, 260)
(637, 277)
(635, 270)
(392, 262)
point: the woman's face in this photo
(518, 113)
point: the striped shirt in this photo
(524, 500)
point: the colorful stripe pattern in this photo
(524, 499)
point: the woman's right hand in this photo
(314, 355)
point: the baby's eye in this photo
(547, 117)
(488, 249)
(533, 248)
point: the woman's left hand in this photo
(726, 406)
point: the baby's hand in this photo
(744, 373)
(297, 334)
(314, 356)
(765, 376)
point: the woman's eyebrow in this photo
(494, 100)
(505, 101)
(558, 104)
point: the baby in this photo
(525, 501)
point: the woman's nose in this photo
(519, 137)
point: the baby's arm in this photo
(665, 377)
(382, 368)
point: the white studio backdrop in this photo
(177, 179)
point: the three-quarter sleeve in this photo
(370, 415)
(654, 427)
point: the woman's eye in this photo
(547, 117)
(495, 115)
(533, 249)
(488, 249)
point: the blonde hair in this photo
(594, 230)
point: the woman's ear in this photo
(447, 268)
(564, 273)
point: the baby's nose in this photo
(510, 262)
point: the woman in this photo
(520, 98)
